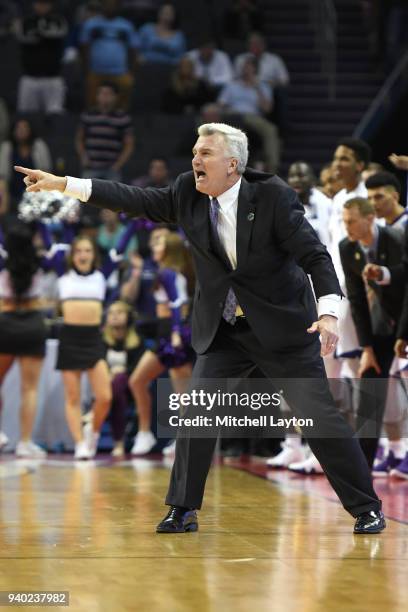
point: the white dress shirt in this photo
(271, 68)
(218, 71)
(227, 229)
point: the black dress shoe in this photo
(370, 522)
(178, 520)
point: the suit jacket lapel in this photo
(202, 221)
(245, 221)
(202, 229)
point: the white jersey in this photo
(400, 222)
(318, 213)
(74, 286)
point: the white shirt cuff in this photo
(329, 305)
(80, 189)
(386, 279)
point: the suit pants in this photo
(372, 397)
(234, 353)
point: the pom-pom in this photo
(49, 207)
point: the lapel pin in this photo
(357, 255)
(251, 216)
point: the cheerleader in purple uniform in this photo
(82, 291)
(173, 350)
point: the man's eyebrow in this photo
(203, 150)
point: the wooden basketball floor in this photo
(282, 544)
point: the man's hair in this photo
(383, 179)
(236, 140)
(364, 207)
(361, 149)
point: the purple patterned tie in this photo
(231, 301)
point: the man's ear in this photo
(232, 165)
(360, 167)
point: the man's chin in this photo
(201, 187)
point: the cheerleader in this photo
(172, 351)
(22, 329)
(123, 348)
(81, 292)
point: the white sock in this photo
(398, 448)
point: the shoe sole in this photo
(188, 528)
(139, 454)
(369, 532)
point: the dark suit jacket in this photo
(390, 297)
(276, 249)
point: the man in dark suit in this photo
(253, 305)
(371, 259)
(401, 345)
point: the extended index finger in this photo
(23, 170)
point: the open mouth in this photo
(200, 174)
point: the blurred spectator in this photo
(42, 36)
(109, 233)
(86, 11)
(23, 148)
(317, 206)
(186, 92)
(271, 69)
(241, 18)
(330, 185)
(4, 120)
(371, 169)
(269, 66)
(158, 174)
(123, 350)
(252, 99)
(109, 43)
(211, 113)
(105, 138)
(137, 286)
(211, 65)
(161, 41)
